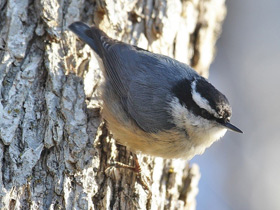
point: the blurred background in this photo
(242, 172)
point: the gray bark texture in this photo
(55, 150)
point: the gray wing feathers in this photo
(150, 108)
(139, 78)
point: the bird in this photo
(154, 104)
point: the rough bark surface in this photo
(54, 149)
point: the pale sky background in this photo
(242, 172)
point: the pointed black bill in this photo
(231, 127)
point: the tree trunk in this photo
(55, 151)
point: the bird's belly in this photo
(170, 144)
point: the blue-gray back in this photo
(142, 80)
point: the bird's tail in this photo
(90, 35)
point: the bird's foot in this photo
(142, 179)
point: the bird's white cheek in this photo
(219, 133)
(200, 130)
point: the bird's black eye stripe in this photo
(222, 120)
(182, 90)
(205, 114)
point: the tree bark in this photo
(55, 150)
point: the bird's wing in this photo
(141, 82)
(140, 78)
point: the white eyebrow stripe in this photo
(202, 102)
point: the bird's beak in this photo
(231, 127)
